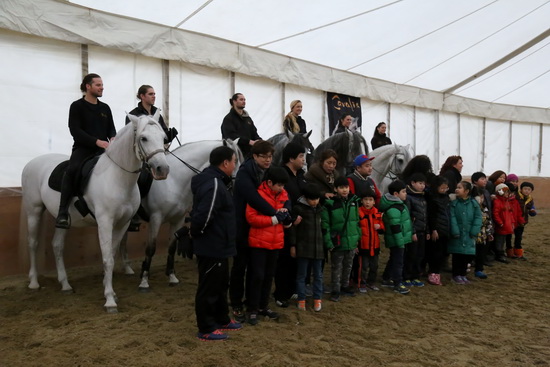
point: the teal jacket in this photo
(397, 221)
(340, 223)
(465, 226)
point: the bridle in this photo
(138, 147)
(392, 174)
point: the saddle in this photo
(80, 181)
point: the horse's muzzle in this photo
(160, 172)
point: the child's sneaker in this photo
(465, 280)
(417, 283)
(253, 318)
(269, 313)
(363, 289)
(388, 283)
(335, 297)
(481, 275)
(282, 304)
(373, 287)
(401, 289)
(317, 305)
(216, 335)
(302, 305)
(434, 279)
(458, 280)
(407, 283)
(239, 315)
(232, 326)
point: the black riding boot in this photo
(63, 219)
(135, 222)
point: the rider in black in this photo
(92, 127)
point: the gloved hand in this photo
(172, 132)
(184, 242)
(281, 216)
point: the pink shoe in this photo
(434, 279)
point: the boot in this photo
(510, 253)
(518, 252)
(501, 258)
(63, 219)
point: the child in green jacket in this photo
(341, 234)
(397, 222)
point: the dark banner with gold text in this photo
(340, 104)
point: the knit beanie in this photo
(528, 184)
(501, 188)
(512, 177)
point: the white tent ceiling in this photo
(498, 49)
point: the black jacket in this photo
(453, 177)
(295, 185)
(379, 140)
(418, 207)
(140, 111)
(307, 236)
(213, 215)
(246, 192)
(235, 126)
(439, 213)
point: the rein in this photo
(197, 171)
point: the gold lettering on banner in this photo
(338, 103)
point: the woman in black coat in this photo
(379, 137)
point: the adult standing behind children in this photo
(285, 275)
(238, 124)
(451, 171)
(465, 226)
(213, 232)
(249, 177)
(293, 122)
(379, 137)
(92, 127)
(323, 173)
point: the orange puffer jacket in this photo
(263, 234)
(370, 242)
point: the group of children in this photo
(420, 223)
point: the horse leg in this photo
(170, 269)
(124, 255)
(105, 231)
(154, 225)
(58, 244)
(34, 215)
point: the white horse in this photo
(111, 195)
(168, 201)
(389, 162)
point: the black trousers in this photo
(211, 305)
(435, 252)
(285, 275)
(460, 264)
(262, 269)
(394, 267)
(518, 237)
(481, 254)
(414, 254)
(238, 276)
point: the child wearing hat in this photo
(359, 181)
(527, 206)
(340, 223)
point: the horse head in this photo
(149, 144)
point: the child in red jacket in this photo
(265, 239)
(505, 218)
(370, 221)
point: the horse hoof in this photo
(144, 290)
(111, 309)
(129, 272)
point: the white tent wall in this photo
(524, 157)
(449, 137)
(426, 134)
(545, 163)
(199, 99)
(471, 143)
(497, 146)
(402, 125)
(373, 112)
(40, 78)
